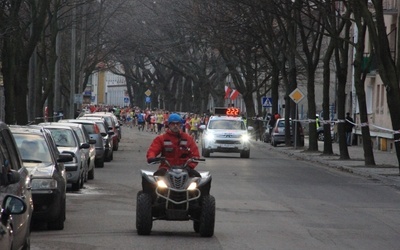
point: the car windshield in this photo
(227, 124)
(33, 148)
(281, 123)
(63, 137)
(101, 126)
(89, 128)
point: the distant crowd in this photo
(152, 121)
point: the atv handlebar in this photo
(162, 159)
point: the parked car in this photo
(15, 180)
(10, 206)
(113, 123)
(320, 132)
(67, 141)
(45, 163)
(106, 133)
(266, 136)
(94, 133)
(278, 132)
(84, 137)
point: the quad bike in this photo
(176, 196)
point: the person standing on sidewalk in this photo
(349, 128)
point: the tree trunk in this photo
(359, 80)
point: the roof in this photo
(224, 117)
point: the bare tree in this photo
(22, 23)
(389, 66)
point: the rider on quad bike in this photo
(175, 191)
(176, 146)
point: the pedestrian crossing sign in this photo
(267, 102)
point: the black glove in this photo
(160, 172)
(193, 173)
(151, 160)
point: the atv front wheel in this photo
(207, 217)
(144, 218)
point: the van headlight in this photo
(209, 137)
(245, 138)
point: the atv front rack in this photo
(188, 199)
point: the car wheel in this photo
(207, 217)
(99, 163)
(144, 218)
(245, 154)
(115, 147)
(27, 243)
(58, 224)
(205, 152)
(77, 185)
(273, 143)
(321, 136)
(91, 174)
(83, 179)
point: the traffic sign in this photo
(148, 99)
(148, 92)
(126, 99)
(267, 102)
(296, 95)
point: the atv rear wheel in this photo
(196, 226)
(144, 218)
(207, 217)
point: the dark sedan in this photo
(46, 165)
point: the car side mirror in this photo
(64, 157)
(13, 177)
(12, 205)
(85, 145)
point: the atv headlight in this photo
(161, 184)
(192, 186)
(44, 184)
(245, 138)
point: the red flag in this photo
(227, 92)
(234, 94)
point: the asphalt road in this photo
(270, 201)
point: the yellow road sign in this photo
(296, 95)
(148, 92)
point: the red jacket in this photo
(176, 148)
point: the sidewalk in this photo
(386, 169)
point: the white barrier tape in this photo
(355, 124)
(384, 129)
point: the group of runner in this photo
(154, 121)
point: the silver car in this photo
(67, 141)
(278, 132)
(94, 133)
(107, 134)
(15, 180)
(84, 137)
